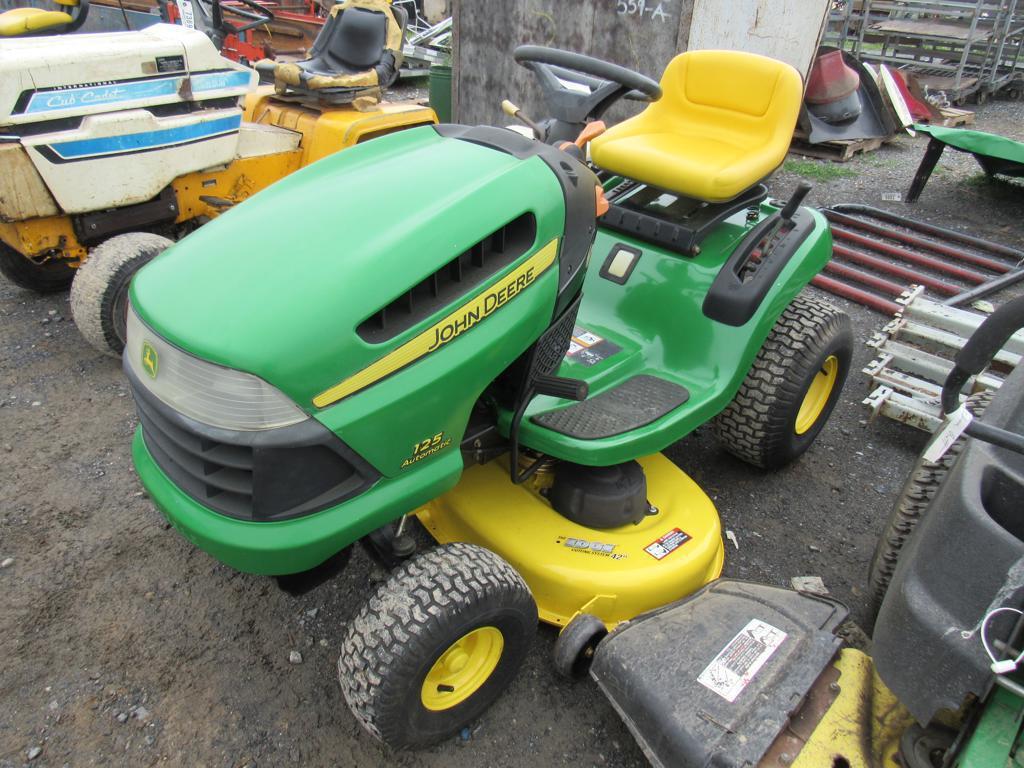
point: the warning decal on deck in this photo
(667, 544)
(587, 348)
(736, 664)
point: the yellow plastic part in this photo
(862, 726)
(462, 669)
(570, 568)
(723, 123)
(50, 236)
(291, 74)
(233, 183)
(20, 21)
(817, 395)
(326, 130)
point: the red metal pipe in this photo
(930, 229)
(856, 294)
(867, 260)
(929, 245)
(873, 281)
(920, 259)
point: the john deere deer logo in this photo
(150, 360)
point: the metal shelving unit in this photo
(959, 47)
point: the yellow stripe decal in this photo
(458, 322)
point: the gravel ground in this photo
(124, 645)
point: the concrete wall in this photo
(788, 30)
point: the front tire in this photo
(792, 387)
(99, 293)
(49, 277)
(435, 644)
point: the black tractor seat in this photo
(354, 58)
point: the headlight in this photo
(206, 392)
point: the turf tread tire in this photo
(51, 277)
(911, 507)
(102, 281)
(757, 426)
(410, 619)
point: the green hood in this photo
(277, 286)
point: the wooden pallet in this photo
(839, 151)
(952, 117)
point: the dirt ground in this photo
(124, 645)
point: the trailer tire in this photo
(912, 506)
(99, 292)
(49, 277)
(791, 388)
(435, 644)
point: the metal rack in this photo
(957, 47)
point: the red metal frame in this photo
(887, 245)
(258, 44)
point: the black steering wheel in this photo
(599, 85)
(218, 10)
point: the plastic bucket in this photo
(441, 92)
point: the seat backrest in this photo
(750, 97)
(360, 37)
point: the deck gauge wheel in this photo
(576, 644)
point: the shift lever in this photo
(787, 213)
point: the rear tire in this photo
(911, 507)
(99, 293)
(792, 386)
(49, 277)
(435, 644)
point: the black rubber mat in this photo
(634, 403)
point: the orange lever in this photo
(590, 131)
(601, 202)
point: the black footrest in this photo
(634, 403)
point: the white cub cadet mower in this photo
(114, 145)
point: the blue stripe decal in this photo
(215, 81)
(147, 140)
(73, 98)
(117, 93)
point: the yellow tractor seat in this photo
(723, 123)
(22, 21)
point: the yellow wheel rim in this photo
(462, 669)
(817, 395)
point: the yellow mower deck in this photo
(614, 574)
(862, 726)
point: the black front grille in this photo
(273, 474)
(550, 348)
(216, 474)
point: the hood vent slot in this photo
(461, 275)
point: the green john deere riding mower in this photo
(504, 362)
